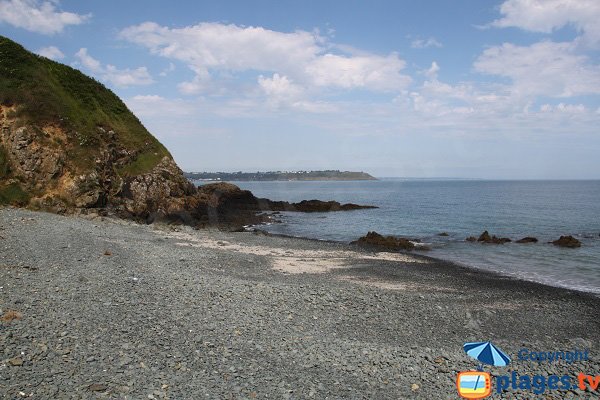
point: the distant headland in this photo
(328, 175)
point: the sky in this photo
(467, 89)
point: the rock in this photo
(527, 239)
(323, 206)
(567, 241)
(97, 387)
(443, 234)
(486, 238)
(386, 242)
(163, 190)
(226, 205)
(16, 361)
(471, 239)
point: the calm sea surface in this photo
(423, 208)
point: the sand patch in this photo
(294, 265)
(293, 261)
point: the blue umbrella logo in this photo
(487, 353)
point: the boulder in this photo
(471, 239)
(567, 241)
(527, 239)
(443, 234)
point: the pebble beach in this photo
(101, 308)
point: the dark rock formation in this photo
(313, 206)
(486, 238)
(225, 204)
(374, 239)
(527, 239)
(443, 234)
(567, 241)
(471, 239)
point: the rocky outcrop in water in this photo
(485, 237)
(374, 239)
(527, 239)
(567, 241)
(224, 203)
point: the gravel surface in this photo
(103, 308)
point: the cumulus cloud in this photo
(51, 52)
(425, 43)
(38, 16)
(544, 68)
(301, 56)
(549, 15)
(110, 73)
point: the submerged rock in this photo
(527, 239)
(443, 234)
(471, 239)
(386, 242)
(567, 241)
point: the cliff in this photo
(67, 142)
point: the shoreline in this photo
(111, 308)
(422, 254)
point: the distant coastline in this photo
(328, 175)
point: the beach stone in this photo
(97, 387)
(16, 361)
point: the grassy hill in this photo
(46, 97)
(50, 93)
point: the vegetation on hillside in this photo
(50, 93)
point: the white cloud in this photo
(281, 92)
(544, 68)
(51, 52)
(110, 73)
(425, 43)
(302, 56)
(564, 108)
(549, 15)
(279, 87)
(154, 105)
(38, 16)
(168, 70)
(432, 72)
(369, 72)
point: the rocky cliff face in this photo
(36, 161)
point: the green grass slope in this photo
(50, 93)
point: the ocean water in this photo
(423, 208)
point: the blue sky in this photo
(478, 88)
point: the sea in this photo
(424, 208)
